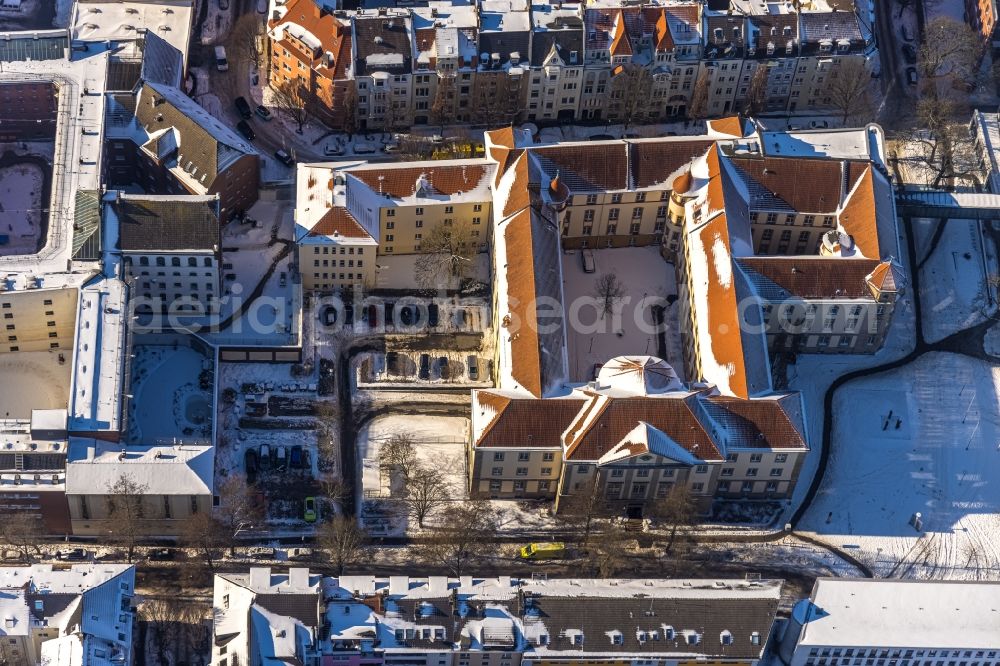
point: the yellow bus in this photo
(543, 551)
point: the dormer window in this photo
(718, 34)
(736, 34)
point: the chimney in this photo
(260, 578)
(298, 578)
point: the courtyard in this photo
(41, 381)
(24, 184)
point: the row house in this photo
(504, 61)
(266, 616)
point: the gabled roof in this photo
(522, 422)
(338, 221)
(204, 145)
(606, 422)
(382, 44)
(537, 353)
(653, 162)
(646, 439)
(404, 180)
(887, 277)
(594, 166)
(809, 277)
(858, 219)
(757, 424)
(833, 26)
(801, 185)
(167, 223)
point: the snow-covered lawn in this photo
(919, 439)
(953, 283)
(21, 208)
(169, 399)
(35, 380)
(399, 271)
(594, 338)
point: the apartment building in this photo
(80, 616)
(176, 481)
(364, 620)
(881, 622)
(172, 251)
(345, 215)
(167, 143)
(33, 469)
(513, 61)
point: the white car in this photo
(262, 6)
(333, 149)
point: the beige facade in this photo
(161, 514)
(38, 319)
(178, 282)
(615, 219)
(403, 226)
(518, 472)
(333, 265)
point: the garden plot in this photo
(172, 389)
(42, 383)
(921, 439)
(21, 206)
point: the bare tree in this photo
(848, 86)
(125, 512)
(583, 508)
(248, 38)
(240, 507)
(161, 616)
(675, 511)
(698, 107)
(465, 530)
(604, 555)
(609, 291)
(951, 49)
(443, 106)
(344, 541)
(349, 108)
(398, 454)
(23, 532)
(425, 492)
(334, 490)
(206, 536)
(446, 253)
(632, 91)
(756, 100)
(292, 99)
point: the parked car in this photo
(72, 555)
(406, 315)
(243, 107)
(392, 363)
(819, 124)
(391, 148)
(911, 75)
(265, 456)
(601, 137)
(261, 553)
(281, 456)
(263, 112)
(243, 127)
(587, 257)
(300, 553)
(461, 318)
(437, 138)
(283, 157)
(295, 457)
(425, 367)
(910, 54)
(473, 364)
(333, 149)
(12, 556)
(250, 465)
(349, 314)
(221, 63)
(329, 315)
(432, 314)
(443, 369)
(161, 554)
(309, 513)
(372, 316)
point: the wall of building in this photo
(511, 473)
(403, 228)
(38, 319)
(28, 110)
(182, 282)
(337, 265)
(161, 514)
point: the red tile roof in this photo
(858, 216)
(758, 424)
(338, 221)
(526, 422)
(814, 277)
(526, 361)
(653, 162)
(402, 182)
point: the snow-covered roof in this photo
(99, 357)
(78, 166)
(93, 466)
(120, 21)
(901, 613)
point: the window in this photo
(498, 456)
(522, 471)
(732, 457)
(697, 487)
(772, 486)
(548, 456)
(751, 471)
(701, 469)
(523, 456)
(781, 457)
(617, 473)
(775, 471)
(755, 457)
(726, 471)
(723, 487)
(581, 469)
(496, 471)
(546, 471)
